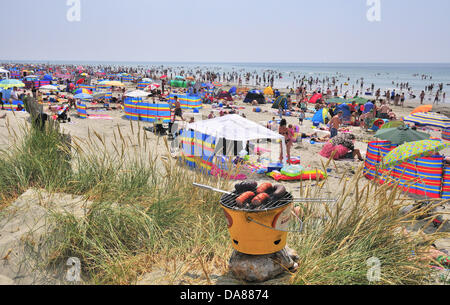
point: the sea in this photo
(383, 75)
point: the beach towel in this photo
(305, 175)
(99, 117)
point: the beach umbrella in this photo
(162, 77)
(80, 81)
(392, 124)
(82, 90)
(99, 95)
(337, 100)
(179, 77)
(153, 86)
(147, 80)
(83, 96)
(112, 83)
(413, 150)
(137, 93)
(321, 116)
(401, 135)
(10, 83)
(429, 119)
(84, 74)
(423, 108)
(190, 78)
(49, 87)
(315, 98)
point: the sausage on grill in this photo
(246, 197)
(260, 199)
(264, 188)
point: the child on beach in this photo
(301, 116)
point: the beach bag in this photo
(328, 149)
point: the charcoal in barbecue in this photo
(279, 191)
(245, 186)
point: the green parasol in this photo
(359, 100)
(401, 135)
(392, 124)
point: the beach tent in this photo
(345, 111)
(368, 107)
(224, 95)
(268, 91)
(321, 116)
(47, 77)
(283, 100)
(178, 83)
(315, 98)
(253, 95)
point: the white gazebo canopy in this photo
(233, 127)
(4, 74)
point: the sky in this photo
(277, 31)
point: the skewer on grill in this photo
(294, 200)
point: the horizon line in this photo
(207, 62)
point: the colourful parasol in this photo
(10, 83)
(429, 119)
(112, 83)
(413, 150)
(82, 90)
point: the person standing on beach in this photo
(289, 138)
(422, 96)
(335, 123)
(178, 111)
(436, 99)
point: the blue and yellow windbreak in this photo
(198, 150)
(81, 110)
(187, 101)
(136, 109)
(12, 106)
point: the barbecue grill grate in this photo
(229, 201)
